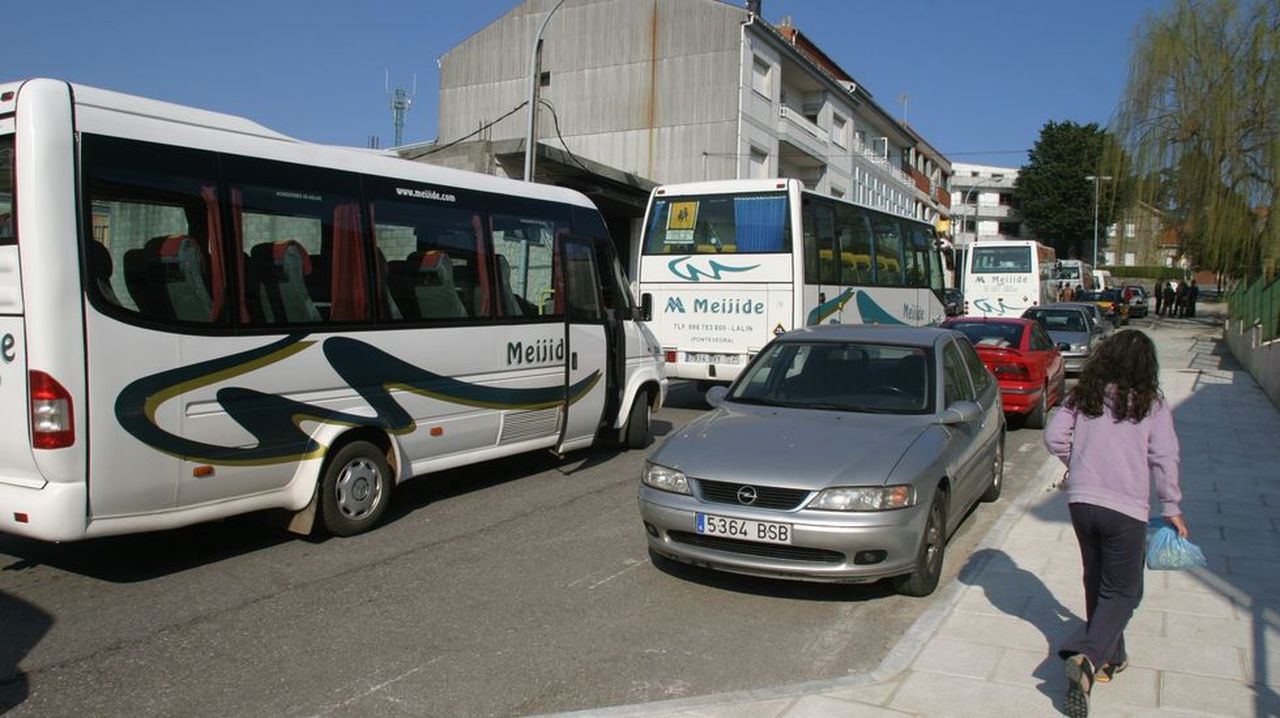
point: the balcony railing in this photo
(796, 129)
(883, 164)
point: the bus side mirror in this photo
(646, 307)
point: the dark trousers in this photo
(1113, 549)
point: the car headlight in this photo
(851, 498)
(1079, 347)
(664, 479)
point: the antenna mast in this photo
(400, 103)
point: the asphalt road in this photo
(521, 586)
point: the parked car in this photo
(842, 453)
(1025, 361)
(1135, 295)
(1071, 330)
(1099, 318)
(1113, 306)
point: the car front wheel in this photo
(928, 570)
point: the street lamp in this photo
(533, 93)
(1095, 179)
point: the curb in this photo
(896, 661)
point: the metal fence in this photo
(1257, 304)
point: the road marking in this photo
(374, 689)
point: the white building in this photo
(982, 204)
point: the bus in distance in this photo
(727, 265)
(1003, 278)
(1074, 273)
(201, 317)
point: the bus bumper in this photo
(54, 512)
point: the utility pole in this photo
(1095, 179)
(535, 72)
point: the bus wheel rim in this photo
(358, 489)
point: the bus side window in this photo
(855, 247)
(524, 253)
(888, 252)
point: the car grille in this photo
(751, 548)
(767, 497)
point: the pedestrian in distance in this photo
(1180, 300)
(1115, 433)
(1169, 295)
(1193, 294)
(1159, 292)
(1068, 294)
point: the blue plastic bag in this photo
(1167, 551)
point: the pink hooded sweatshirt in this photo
(1113, 465)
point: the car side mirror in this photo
(960, 412)
(715, 395)
(646, 307)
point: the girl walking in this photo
(1115, 433)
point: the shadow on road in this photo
(22, 625)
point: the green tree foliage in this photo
(1200, 125)
(1053, 196)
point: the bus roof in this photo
(725, 186)
(383, 163)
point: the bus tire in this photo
(355, 489)
(638, 422)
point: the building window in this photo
(759, 164)
(1130, 230)
(1130, 259)
(761, 78)
(839, 130)
(1109, 258)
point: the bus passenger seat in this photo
(178, 263)
(100, 269)
(506, 297)
(281, 270)
(434, 291)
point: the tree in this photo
(1201, 124)
(1053, 196)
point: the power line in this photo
(464, 138)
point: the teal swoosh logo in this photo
(827, 308)
(274, 421)
(692, 273)
(873, 313)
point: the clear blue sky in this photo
(982, 76)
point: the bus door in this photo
(586, 342)
(823, 301)
(619, 314)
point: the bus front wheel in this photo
(355, 489)
(638, 422)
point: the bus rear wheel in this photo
(355, 489)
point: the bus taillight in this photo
(671, 356)
(52, 426)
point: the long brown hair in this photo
(1126, 364)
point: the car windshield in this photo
(1091, 297)
(990, 334)
(1060, 320)
(839, 376)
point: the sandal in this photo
(1079, 683)
(1108, 670)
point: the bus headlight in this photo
(664, 479)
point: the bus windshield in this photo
(993, 260)
(718, 224)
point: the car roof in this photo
(986, 320)
(1059, 305)
(873, 333)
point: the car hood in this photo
(794, 448)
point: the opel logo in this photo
(746, 495)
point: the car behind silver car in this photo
(1072, 328)
(842, 453)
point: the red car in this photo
(1024, 359)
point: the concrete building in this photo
(982, 204)
(638, 92)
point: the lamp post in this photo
(533, 93)
(1095, 179)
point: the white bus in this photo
(200, 317)
(1074, 273)
(1005, 277)
(730, 264)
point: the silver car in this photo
(1104, 325)
(842, 453)
(1072, 329)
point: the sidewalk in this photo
(1202, 643)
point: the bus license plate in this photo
(744, 529)
(703, 358)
